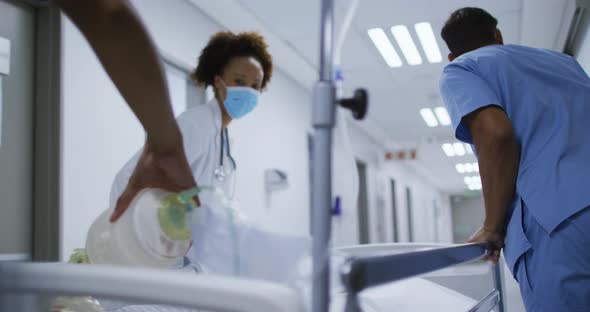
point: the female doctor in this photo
(238, 67)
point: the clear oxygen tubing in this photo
(341, 123)
(227, 202)
(341, 134)
(352, 8)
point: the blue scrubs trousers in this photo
(554, 274)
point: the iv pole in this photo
(323, 116)
(323, 121)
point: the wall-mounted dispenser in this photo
(275, 180)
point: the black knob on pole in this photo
(358, 104)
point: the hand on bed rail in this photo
(494, 238)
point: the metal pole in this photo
(497, 272)
(323, 116)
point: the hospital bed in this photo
(23, 286)
(366, 266)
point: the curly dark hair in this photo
(222, 47)
(468, 29)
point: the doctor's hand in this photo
(494, 237)
(162, 168)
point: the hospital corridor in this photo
(294, 155)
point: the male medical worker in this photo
(526, 111)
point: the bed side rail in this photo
(360, 273)
(208, 292)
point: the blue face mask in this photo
(240, 101)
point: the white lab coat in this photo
(201, 130)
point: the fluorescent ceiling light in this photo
(468, 149)
(460, 168)
(442, 115)
(473, 182)
(428, 42)
(428, 117)
(468, 168)
(385, 47)
(459, 149)
(448, 149)
(406, 44)
(473, 187)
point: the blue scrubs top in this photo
(546, 95)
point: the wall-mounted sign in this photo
(408, 154)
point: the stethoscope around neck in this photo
(221, 173)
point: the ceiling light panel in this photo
(406, 44)
(443, 116)
(385, 47)
(459, 149)
(467, 167)
(429, 117)
(460, 168)
(448, 149)
(474, 187)
(428, 42)
(473, 182)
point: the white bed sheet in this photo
(414, 294)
